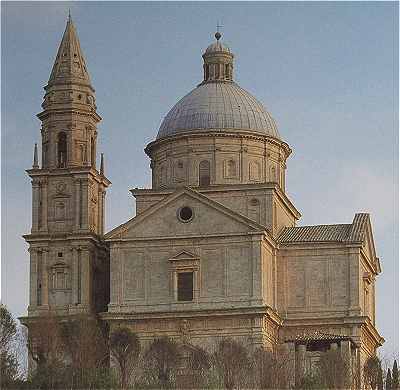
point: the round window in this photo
(185, 214)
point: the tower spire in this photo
(35, 157)
(69, 65)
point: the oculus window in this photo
(185, 214)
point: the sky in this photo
(326, 71)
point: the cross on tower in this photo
(218, 26)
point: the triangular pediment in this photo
(162, 220)
(363, 232)
(184, 255)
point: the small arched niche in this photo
(204, 173)
(253, 210)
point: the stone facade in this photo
(216, 218)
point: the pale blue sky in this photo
(328, 73)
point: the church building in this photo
(214, 249)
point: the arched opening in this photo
(204, 173)
(207, 72)
(62, 150)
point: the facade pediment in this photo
(362, 231)
(164, 220)
(184, 255)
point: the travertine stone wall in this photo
(142, 275)
(234, 262)
(205, 331)
(63, 277)
(316, 279)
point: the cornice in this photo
(68, 110)
(257, 310)
(211, 133)
(70, 171)
(223, 188)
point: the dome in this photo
(217, 47)
(218, 106)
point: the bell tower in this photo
(69, 261)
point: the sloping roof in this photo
(326, 233)
(318, 336)
(315, 233)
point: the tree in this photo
(8, 361)
(270, 370)
(124, 352)
(334, 371)
(372, 369)
(161, 363)
(232, 362)
(380, 379)
(85, 349)
(395, 376)
(388, 380)
(45, 347)
(194, 372)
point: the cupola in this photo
(218, 62)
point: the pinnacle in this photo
(70, 65)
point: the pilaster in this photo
(45, 278)
(44, 208)
(35, 205)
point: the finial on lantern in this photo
(218, 35)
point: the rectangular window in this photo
(60, 280)
(185, 286)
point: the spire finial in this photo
(69, 15)
(218, 34)
(35, 158)
(101, 164)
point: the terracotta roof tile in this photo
(326, 233)
(318, 336)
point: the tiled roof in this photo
(326, 233)
(318, 336)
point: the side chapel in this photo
(214, 249)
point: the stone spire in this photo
(70, 65)
(101, 164)
(35, 158)
(218, 62)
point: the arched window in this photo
(92, 153)
(204, 173)
(227, 71)
(207, 72)
(62, 150)
(216, 71)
